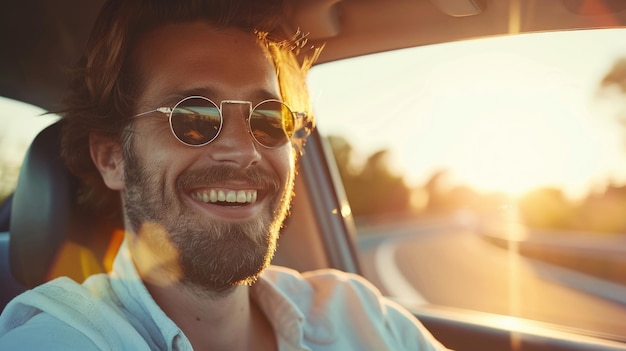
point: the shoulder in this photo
(349, 304)
(51, 296)
(327, 289)
(328, 286)
(291, 281)
(36, 316)
(60, 296)
(45, 329)
(64, 314)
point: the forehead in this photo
(195, 56)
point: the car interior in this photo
(43, 234)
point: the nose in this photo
(234, 144)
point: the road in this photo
(455, 267)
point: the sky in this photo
(502, 114)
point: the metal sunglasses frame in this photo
(300, 118)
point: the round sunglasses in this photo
(197, 121)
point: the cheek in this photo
(162, 157)
(283, 161)
(168, 165)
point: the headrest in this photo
(46, 222)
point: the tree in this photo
(546, 208)
(373, 190)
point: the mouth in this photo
(225, 197)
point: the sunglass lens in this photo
(271, 123)
(196, 121)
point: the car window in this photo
(490, 174)
(20, 124)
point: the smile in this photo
(228, 196)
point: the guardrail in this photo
(596, 254)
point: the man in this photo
(191, 113)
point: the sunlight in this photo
(505, 114)
(517, 125)
(18, 132)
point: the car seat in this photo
(49, 234)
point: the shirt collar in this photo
(285, 317)
(126, 282)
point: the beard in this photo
(212, 256)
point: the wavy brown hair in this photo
(106, 82)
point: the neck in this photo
(215, 322)
(225, 320)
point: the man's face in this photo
(168, 186)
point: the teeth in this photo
(241, 196)
(230, 196)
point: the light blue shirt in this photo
(321, 310)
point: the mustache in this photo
(256, 176)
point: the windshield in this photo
(489, 174)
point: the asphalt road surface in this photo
(455, 267)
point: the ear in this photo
(106, 154)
